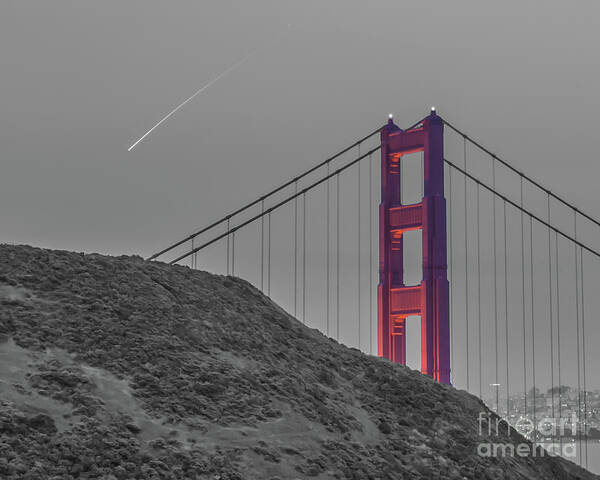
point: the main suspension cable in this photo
(521, 174)
(279, 204)
(271, 193)
(527, 212)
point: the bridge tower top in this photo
(429, 299)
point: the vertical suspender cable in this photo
(269, 256)
(506, 312)
(558, 334)
(233, 253)
(550, 302)
(192, 259)
(304, 257)
(479, 288)
(578, 341)
(228, 226)
(466, 266)
(327, 281)
(296, 250)
(358, 258)
(337, 263)
(452, 379)
(495, 280)
(262, 247)
(585, 406)
(532, 327)
(523, 299)
(370, 254)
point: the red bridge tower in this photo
(429, 299)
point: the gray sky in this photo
(82, 80)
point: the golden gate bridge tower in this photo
(429, 299)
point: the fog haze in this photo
(82, 80)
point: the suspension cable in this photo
(521, 174)
(577, 296)
(271, 193)
(532, 326)
(558, 335)
(304, 258)
(337, 264)
(479, 287)
(228, 246)
(262, 247)
(328, 248)
(451, 223)
(585, 406)
(296, 249)
(523, 299)
(370, 254)
(279, 204)
(551, 317)
(495, 283)
(233, 254)
(527, 212)
(358, 259)
(466, 267)
(506, 313)
(192, 259)
(269, 257)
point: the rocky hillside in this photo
(117, 368)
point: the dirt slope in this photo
(118, 368)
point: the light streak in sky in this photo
(198, 92)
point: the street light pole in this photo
(497, 385)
